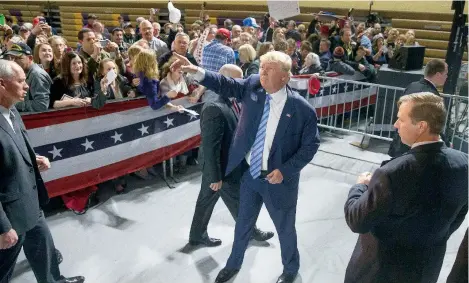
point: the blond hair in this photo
(145, 62)
(278, 57)
(426, 107)
(134, 50)
(247, 53)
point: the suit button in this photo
(35, 187)
(31, 170)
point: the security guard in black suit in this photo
(22, 190)
(218, 122)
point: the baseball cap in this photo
(223, 31)
(26, 26)
(37, 20)
(128, 25)
(250, 22)
(92, 16)
(19, 49)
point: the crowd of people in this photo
(404, 212)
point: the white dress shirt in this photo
(6, 113)
(277, 102)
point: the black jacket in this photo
(405, 216)
(218, 123)
(22, 189)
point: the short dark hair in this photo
(114, 30)
(327, 42)
(433, 67)
(220, 37)
(82, 32)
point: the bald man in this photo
(218, 122)
(157, 45)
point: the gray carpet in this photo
(141, 236)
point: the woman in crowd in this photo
(312, 65)
(132, 52)
(264, 48)
(410, 38)
(59, 46)
(379, 51)
(145, 68)
(70, 87)
(117, 89)
(175, 83)
(44, 56)
(278, 35)
(247, 58)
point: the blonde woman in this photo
(59, 46)
(247, 58)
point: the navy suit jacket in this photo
(296, 140)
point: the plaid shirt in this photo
(215, 55)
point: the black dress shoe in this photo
(261, 236)
(286, 278)
(76, 279)
(209, 242)
(60, 258)
(225, 275)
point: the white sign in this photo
(284, 9)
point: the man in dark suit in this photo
(435, 74)
(277, 136)
(218, 121)
(459, 272)
(406, 211)
(22, 191)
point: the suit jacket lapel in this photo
(15, 137)
(285, 119)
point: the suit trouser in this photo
(39, 250)
(206, 201)
(253, 193)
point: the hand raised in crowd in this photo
(364, 178)
(38, 29)
(275, 177)
(361, 67)
(216, 186)
(42, 163)
(136, 82)
(194, 98)
(112, 47)
(183, 63)
(8, 239)
(96, 50)
(180, 108)
(131, 94)
(103, 85)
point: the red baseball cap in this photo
(223, 31)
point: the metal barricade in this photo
(371, 109)
(352, 106)
(456, 130)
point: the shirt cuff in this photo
(200, 75)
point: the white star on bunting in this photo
(88, 144)
(143, 130)
(168, 122)
(334, 89)
(56, 152)
(192, 117)
(116, 137)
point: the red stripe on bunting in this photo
(39, 120)
(345, 107)
(96, 176)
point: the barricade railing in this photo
(356, 106)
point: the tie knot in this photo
(268, 97)
(12, 116)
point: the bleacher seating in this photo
(432, 29)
